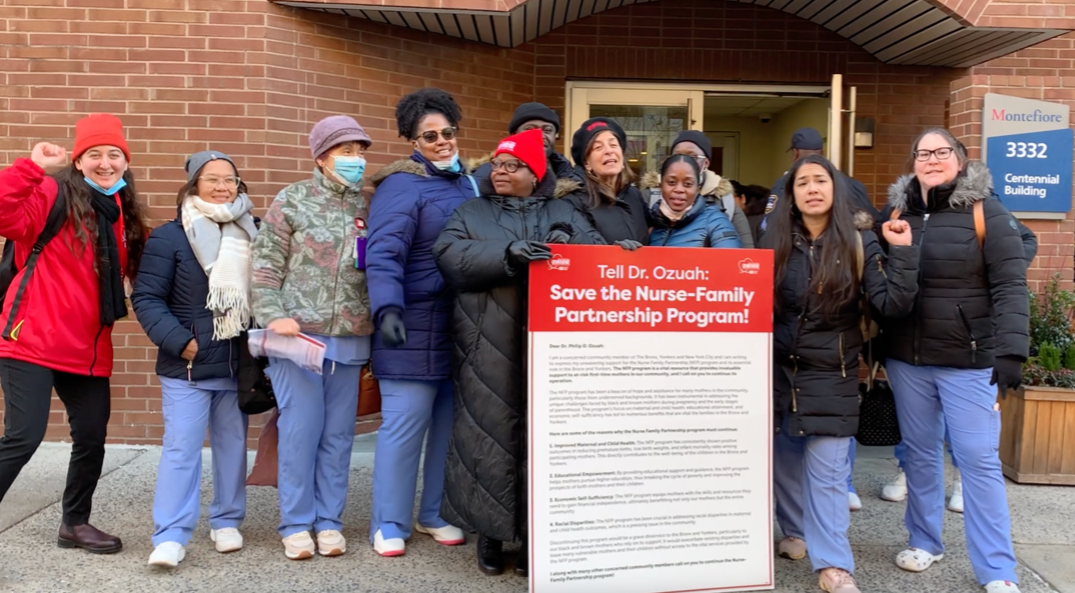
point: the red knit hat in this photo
(96, 130)
(528, 147)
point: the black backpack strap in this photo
(55, 221)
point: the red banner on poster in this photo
(606, 288)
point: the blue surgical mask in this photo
(451, 164)
(122, 183)
(349, 168)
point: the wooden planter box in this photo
(1037, 437)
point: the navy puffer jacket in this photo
(169, 301)
(412, 203)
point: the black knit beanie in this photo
(695, 137)
(591, 128)
(529, 111)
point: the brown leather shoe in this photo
(88, 538)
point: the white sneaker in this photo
(299, 546)
(1002, 587)
(854, 502)
(915, 560)
(227, 540)
(955, 504)
(896, 490)
(331, 543)
(449, 535)
(167, 555)
(388, 547)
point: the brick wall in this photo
(688, 41)
(250, 78)
(245, 77)
(1045, 72)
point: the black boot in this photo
(490, 555)
(522, 563)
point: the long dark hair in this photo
(833, 278)
(598, 190)
(80, 212)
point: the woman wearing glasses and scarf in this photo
(966, 338)
(192, 298)
(411, 306)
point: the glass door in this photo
(651, 118)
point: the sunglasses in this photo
(431, 136)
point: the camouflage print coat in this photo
(304, 261)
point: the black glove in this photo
(557, 237)
(521, 253)
(393, 333)
(628, 244)
(560, 233)
(1007, 374)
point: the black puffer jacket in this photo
(815, 378)
(623, 220)
(485, 480)
(973, 303)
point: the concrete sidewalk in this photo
(1042, 525)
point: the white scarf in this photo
(220, 235)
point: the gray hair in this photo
(960, 149)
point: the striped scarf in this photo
(220, 235)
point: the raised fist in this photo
(896, 232)
(49, 156)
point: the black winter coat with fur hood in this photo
(972, 302)
(485, 477)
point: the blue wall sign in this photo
(1032, 172)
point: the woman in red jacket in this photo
(59, 333)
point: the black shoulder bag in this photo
(9, 269)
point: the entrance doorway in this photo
(749, 126)
(750, 134)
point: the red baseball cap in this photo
(528, 147)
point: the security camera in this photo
(765, 118)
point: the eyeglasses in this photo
(509, 166)
(942, 154)
(230, 182)
(431, 136)
(548, 129)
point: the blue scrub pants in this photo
(927, 399)
(851, 463)
(411, 411)
(188, 410)
(317, 433)
(810, 482)
(901, 450)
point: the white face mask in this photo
(451, 164)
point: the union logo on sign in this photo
(559, 262)
(749, 266)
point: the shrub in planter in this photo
(1052, 340)
(1036, 425)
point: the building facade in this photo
(250, 77)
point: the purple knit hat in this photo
(336, 129)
